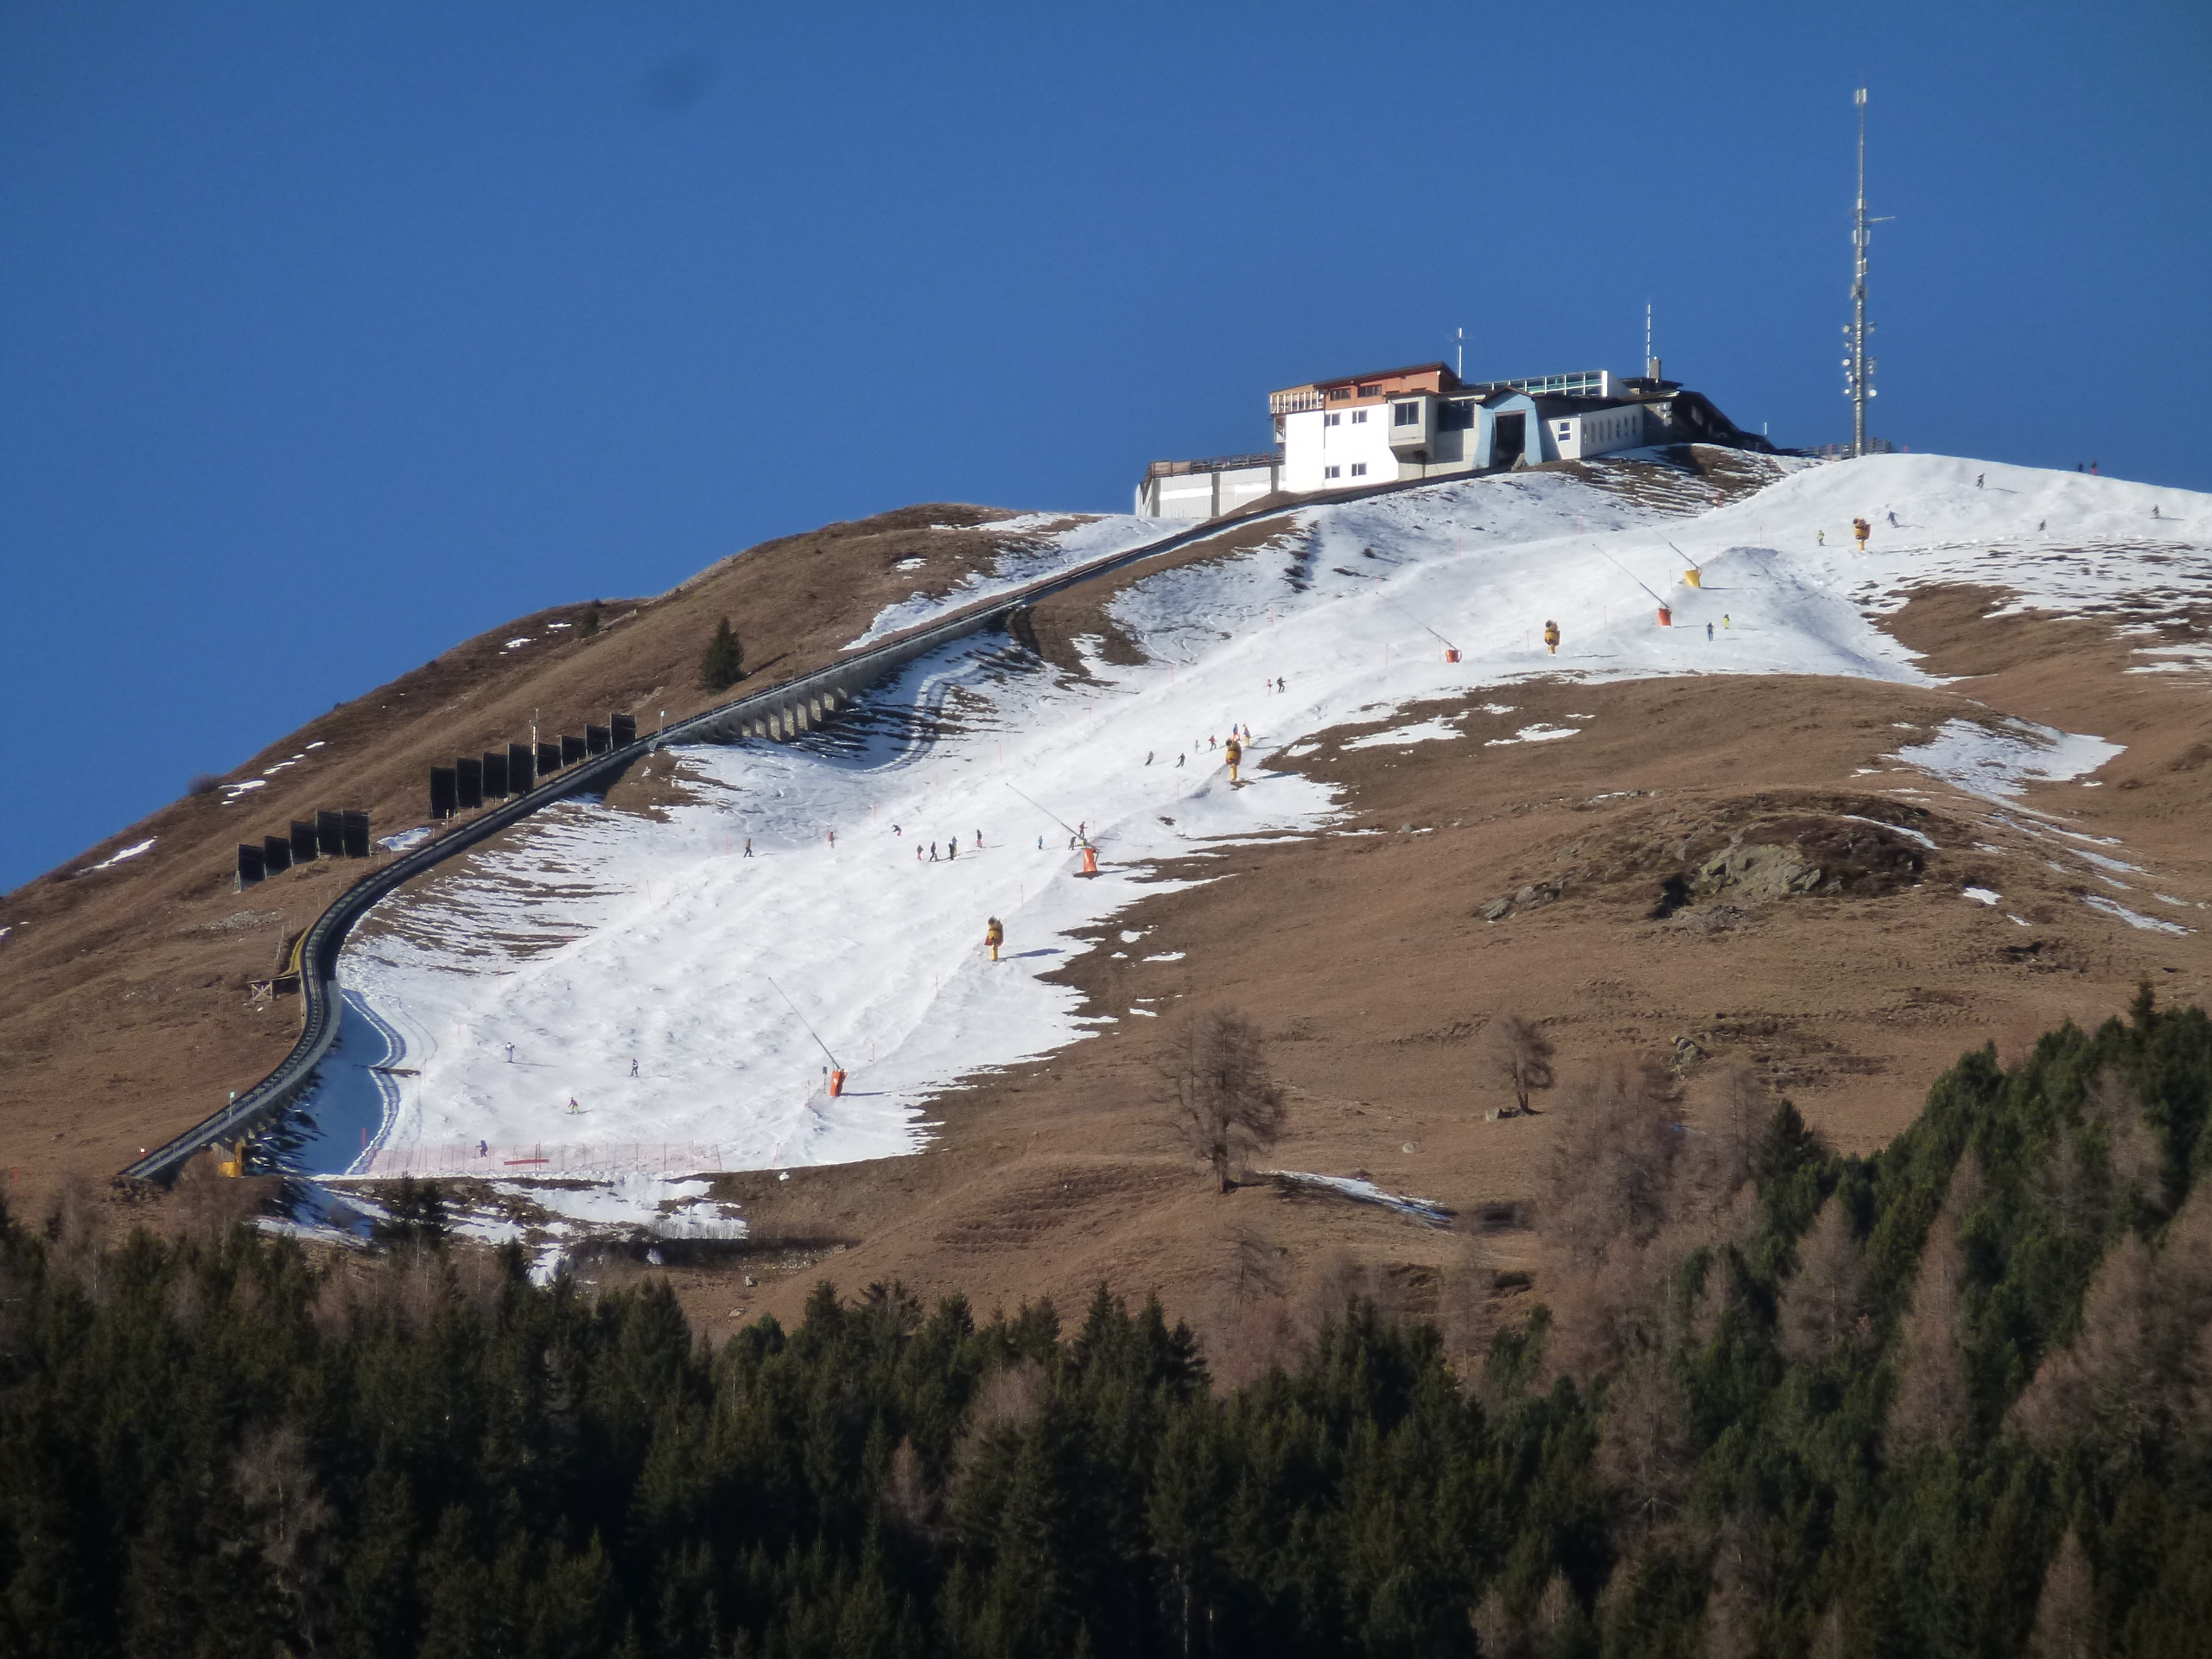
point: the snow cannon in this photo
(1450, 655)
(1692, 577)
(836, 1084)
(1666, 617)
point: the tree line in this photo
(1953, 1398)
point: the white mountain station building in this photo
(1424, 422)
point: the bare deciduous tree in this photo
(1932, 1400)
(2066, 1611)
(2137, 1366)
(1646, 1452)
(1225, 1104)
(1613, 1163)
(1520, 1055)
(1822, 1300)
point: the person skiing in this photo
(1978, 477)
(633, 1065)
(748, 846)
(952, 850)
(1726, 621)
(1860, 530)
(1708, 632)
(932, 852)
(1823, 536)
(994, 936)
(979, 838)
(1551, 638)
(1147, 757)
(1233, 754)
(1893, 519)
(1181, 757)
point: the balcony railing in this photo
(1214, 464)
(1296, 400)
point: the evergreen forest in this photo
(1951, 1398)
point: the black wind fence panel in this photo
(468, 783)
(329, 835)
(444, 792)
(625, 730)
(276, 853)
(495, 775)
(357, 835)
(549, 758)
(522, 769)
(572, 749)
(302, 842)
(249, 864)
(598, 739)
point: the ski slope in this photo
(671, 1003)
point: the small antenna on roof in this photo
(1650, 363)
(1460, 335)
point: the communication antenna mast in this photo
(1650, 363)
(1460, 336)
(1859, 368)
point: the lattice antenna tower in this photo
(1858, 366)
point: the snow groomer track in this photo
(780, 712)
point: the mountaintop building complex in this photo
(1425, 421)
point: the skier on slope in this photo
(994, 936)
(1551, 638)
(1233, 753)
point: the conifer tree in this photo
(723, 665)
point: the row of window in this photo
(1358, 470)
(1358, 419)
(1345, 394)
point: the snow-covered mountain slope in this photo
(671, 1003)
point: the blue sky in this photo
(331, 335)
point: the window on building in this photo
(1371, 391)
(1405, 414)
(1339, 394)
(1359, 469)
(1331, 471)
(1359, 417)
(1456, 417)
(1332, 420)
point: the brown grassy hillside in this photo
(1468, 882)
(124, 1012)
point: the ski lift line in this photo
(1630, 574)
(1055, 818)
(1408, 616)
(1685, 559)
(801, 1018)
